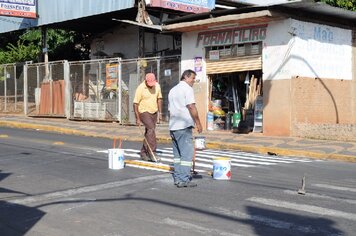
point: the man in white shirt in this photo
(183, 117)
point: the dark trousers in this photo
(149, 121)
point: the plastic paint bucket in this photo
(222, 168)
(116, 158)
(200, 142)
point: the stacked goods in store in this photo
(218, 113)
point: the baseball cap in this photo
(150, 79)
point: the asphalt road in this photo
(52, 184)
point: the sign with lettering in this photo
(18, 8)
(192, 6)
(232, 36)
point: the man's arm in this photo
(159, 103)
(194, 113)
(137, 115)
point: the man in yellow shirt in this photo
(147, 103)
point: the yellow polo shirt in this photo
(146, 98)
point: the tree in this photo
(346, 4)
(62, 45)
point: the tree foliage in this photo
(61, 45)
(346, 4)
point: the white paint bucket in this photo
(116, 158)
(200, 142)
(222, 168)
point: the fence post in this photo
(5, 88)
(25, 89)
(158, 68)
(67, 90)
(120, 91)
(15, 83)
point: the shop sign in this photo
(198, 64)
(18, 8)
(192, 6)
(232, 36)
(111, 76)
(214, 55)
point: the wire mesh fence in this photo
(87, 90)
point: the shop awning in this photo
(246, 63)
(258, 17)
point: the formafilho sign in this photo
(18, 8)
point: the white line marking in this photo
(335, 187)
(313, 195)
(279, 224)
(303, 207)
(86, 189)
(196, 228)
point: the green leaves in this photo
(346, 4)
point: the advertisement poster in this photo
(18, 8)
(198, 64)
(193, 6)
(112, 72)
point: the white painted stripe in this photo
(258, 156)
(171, 159)
(328, 186)
(313, 195)
(303, 207)
(196, 228)
(278, 224)
(233, 160)
(85, 189)
(239, 157)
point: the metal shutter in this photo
(246, 63)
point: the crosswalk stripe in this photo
(314, 195)
(328, 186)
(257, 156)
(234, 160)
(304, 208)
(204, 158)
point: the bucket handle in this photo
(115, 141)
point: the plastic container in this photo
(200, 142)
(210, 121)
(116, 158)
(236, 117)
(222, 168)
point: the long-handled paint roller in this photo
(149, 147)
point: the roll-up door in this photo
(246, 63)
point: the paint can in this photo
(200, 142)
(116, 158)
(222, 168)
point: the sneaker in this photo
(186, 184)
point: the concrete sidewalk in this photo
(289, 146)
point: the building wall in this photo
(123, 42)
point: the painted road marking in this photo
(304, 208)
(85, 189)
(196, 228)
(328, 186)
(268, 221)
(4, 136)
(204, 158)
(313, 195)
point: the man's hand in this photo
(138, 122)
(159, 118)
(199, 128)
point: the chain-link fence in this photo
(11, 88)
(87, 90)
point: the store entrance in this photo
(232, 100)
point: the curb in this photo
(162, 139)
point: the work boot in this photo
(188, 184)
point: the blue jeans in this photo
(183, 151)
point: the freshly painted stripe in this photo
(196, 228)
(328, 186)
(85, 189)
(313, 195)
(304, 208)
(233, 160)
(4, 136)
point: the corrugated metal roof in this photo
(56, 11)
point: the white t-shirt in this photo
(179, 97)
